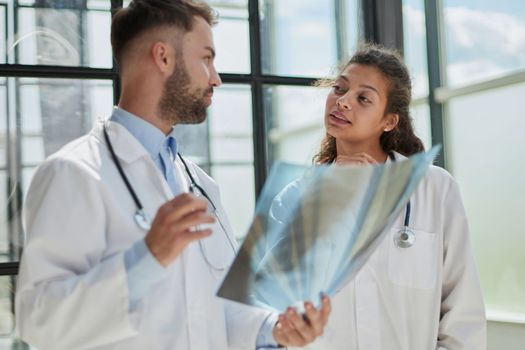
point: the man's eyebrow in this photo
(211, 49)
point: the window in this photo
(296, 122)
(56, 79)
(483, 39)
(482, 156)
(415, 55)
(484, 69)
(233, 56)
(73, 33)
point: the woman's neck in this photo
(373, 150)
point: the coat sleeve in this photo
(69, 296)
(462, 321)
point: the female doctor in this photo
(417, 291)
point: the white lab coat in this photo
(72, 290)
(424, 297)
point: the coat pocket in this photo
(415, 266)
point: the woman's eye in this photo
(364, 99)
(337, 89)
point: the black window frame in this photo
(374, 28)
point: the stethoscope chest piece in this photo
(142, 220)
(404, 238)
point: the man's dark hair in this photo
(143, 15)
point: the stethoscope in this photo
(404, 238)
(144, 222)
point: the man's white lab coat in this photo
(72, 290)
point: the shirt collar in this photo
(149, 136)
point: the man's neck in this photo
(139, 107)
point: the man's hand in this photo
(293, 329)
(176, 225)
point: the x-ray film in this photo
(315, 227)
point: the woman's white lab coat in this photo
(424, 297)
(72, 290)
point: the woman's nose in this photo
(342, 103)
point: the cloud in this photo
(414, 21)
(462, 73)
(482, 44)
(489, 29)
(479, 44)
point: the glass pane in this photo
(482, 138)
(298, 37)
(353, 22)
(230, 118)
(49, 113)
(415, 47)
(8, 339)
(193, 142)
(3, 33)
(231, 140)
(4, 203)
(295, 120)
(237, 194)
(228, 3)
(421, 122)
(56, 111)
(3, 122)
(484, 39)
(60, 35)
(98, 4)
(33, 150)
(74, 4)
(233, 56)
(98, 49)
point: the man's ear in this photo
(164, 57)
(391, 121)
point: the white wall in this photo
(506, 336)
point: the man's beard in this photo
(179, 105)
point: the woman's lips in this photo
(338, 118)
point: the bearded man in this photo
(121, 252)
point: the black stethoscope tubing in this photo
(408, 207)
(121, 172)
(405, 238)
(194, 183)
(142, 219)
(131, 191)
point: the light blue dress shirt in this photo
(142, 268)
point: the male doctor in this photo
(96, 273)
